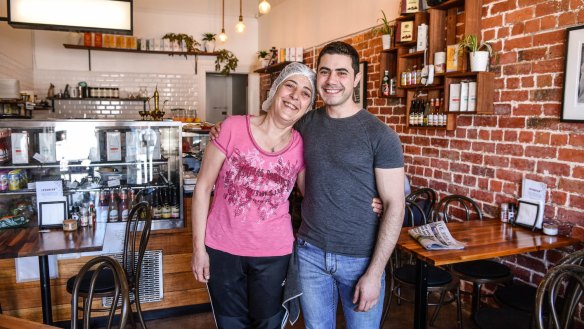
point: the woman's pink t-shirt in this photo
(249, 214)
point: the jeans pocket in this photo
(301, 243)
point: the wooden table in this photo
(483, 239)
(10, 322)
(29, 241)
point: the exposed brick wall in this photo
(487, 156)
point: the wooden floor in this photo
(401, 317)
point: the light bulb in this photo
(222, 36)
(240, 27)
(264, 7)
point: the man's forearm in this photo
(388, 233)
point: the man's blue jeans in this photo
(326, 276)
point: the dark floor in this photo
(401, 316)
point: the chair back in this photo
(442, 213)
(414, 214)
(425, 198)
(136, 239)
(564, 277)
(101, 263)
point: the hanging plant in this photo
(225, 62)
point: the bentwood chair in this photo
(136, 238)
(565, 277)
(439, 280)
(425, 198)
(92, 270)
(517, 302)
(478, 272)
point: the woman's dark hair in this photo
(341, 48)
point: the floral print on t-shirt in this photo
(248, 183)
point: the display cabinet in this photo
(110, 164)
(194, 142)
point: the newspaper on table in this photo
(435, 236)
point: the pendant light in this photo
(240, 27)
(223, 36)
(264, 7)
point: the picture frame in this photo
(360, 92)
(52, 214)
(573, 97)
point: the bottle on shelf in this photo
(166, 209)
(156, 207)
(174, 204)
(412, 116)
(408, 77)
(385, 84)
(419, 76)
(392, 86)
(426, 113)
(123, 206)
(113, 212)
(84, 217)
(413, 76)
(92, 215)
(103, 206)
(442, 113)
(404, 78)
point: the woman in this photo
(242, 244)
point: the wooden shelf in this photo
(272, 68)
(484, 93)
(137, 51)
(123, 50)
(415, 54)
(449, 4)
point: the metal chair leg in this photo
(458, 308)
(476, 297)
(440, 302)
(139, 308)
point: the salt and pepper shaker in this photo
(511, 213)
(504, 212)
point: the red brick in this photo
(518, 43)
(553, 168)
(518, 16)
(578, 172)
(472, 133)
(527, 82)
(542, 138)
(414, 150)
(518, 29)
(420, 161)
(483, 171)
(550, 38)
(544, 80)
(492, 22)
(546, 8)
(556, 51)
(571, 155)
(430, 152)
(472, 157)
(495, 186)
(460, 145)
(577, 139)
(569, 18)
(483, 147)
(484, 196)
(551, 110)
(511, 136)
(451, 155)
(517, 69)
(576, 201)
(558, 197)
(548, 23)
(512, 122)
(499, 8)
(456, 178)
(512, 83)
(421, 141)
(508, 175)
(497, 135)
(469, 181)
(498, 161)
(439, 164)
(525, 137)
(484, 134)
(532, 26)
(523, 164)
(572, 216)
(546, 95)
(502, 109)
(532, 54)
(510, 149)
(541, 152)
(510, 188)
(459, 168)
(530, 263)
(571, 185)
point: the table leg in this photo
(421, 297)
(45, 289)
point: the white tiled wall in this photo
(176, 91)
(11, 69)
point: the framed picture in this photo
(360, 92)
(52, 214)
(573, 100)
(529, 214)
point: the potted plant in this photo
(189, 42)
(386, 31)
(209, 42)
(263, 58)
(225, 62)
(479, 52)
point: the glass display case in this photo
(194, 142)
(105, 163)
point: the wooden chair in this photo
(136, 238)
(92, 270)
(478, 272)
(439, 280)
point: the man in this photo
(350, 157)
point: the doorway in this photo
(225, 96)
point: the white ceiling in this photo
(204, 7)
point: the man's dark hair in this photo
(341, 48)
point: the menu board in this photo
(406, 31)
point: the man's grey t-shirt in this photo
(340, 157)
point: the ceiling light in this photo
(240, 27)
(264, 7)
(109, 16)
(223, 36)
